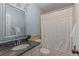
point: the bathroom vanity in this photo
(12, 28)
(32, 50)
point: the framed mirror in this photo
(15, 21)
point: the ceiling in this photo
(47, 7)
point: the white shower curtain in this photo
(75, 36)
(75, 31)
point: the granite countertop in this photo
(6, 50)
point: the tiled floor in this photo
(58, 53)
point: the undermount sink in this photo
(19, 47)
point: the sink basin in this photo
(19, 47)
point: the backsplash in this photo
(13, 43)
(12, 38)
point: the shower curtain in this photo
(55, 28)
(75, 31)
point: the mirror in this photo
(15, 19)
